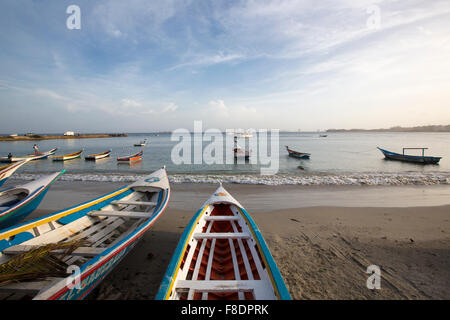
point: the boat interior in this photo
(98, 230)
(10, 197)
(222, 260)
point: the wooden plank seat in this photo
(221, 218)
(81, 251)
(123, 214)
(219, 285)
(222, 235)
(135, 203)
(27, 287)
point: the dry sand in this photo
(322, 244)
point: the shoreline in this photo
(57, 137)
(322, 251)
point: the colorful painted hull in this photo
(15, 211)
(134, 157)
(407, 158)
(66, 157)
(8, 170)
(33, 156)
(299, 155)
(87, 219)
(98, 156)
(222, 255)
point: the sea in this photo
(341, 158)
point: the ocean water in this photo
(338, 159)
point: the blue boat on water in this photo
(18, 202)
(298, 155)
(410, 158)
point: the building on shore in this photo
(69, 133)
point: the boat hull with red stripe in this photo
(134, 157)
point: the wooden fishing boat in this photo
(98, 156)
(296, 154)
(141, 143)
(31, 156)
(18, 202)
(8, 170)
(133, 157)
(410, 158)
(65, 157)
(222, 255)
(109, 227)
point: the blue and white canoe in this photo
(222, 256)
(16, 203)
(389, 155)
(111, 226)
(8, 170)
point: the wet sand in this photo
(323, 239)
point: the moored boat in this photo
(141, 143)
(31, 156)
(222, 255)
(18, 202)
(410, 158)
(70, 156)
(105, 230)
(8, 170)
(241, 153)
(296, 154)
(98, 156)
(133, 157)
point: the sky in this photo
(144, 66)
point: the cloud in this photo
(171, 107)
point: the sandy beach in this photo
(322, 238)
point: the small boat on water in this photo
(31, 156)
(141, 144)
(133, 157)
(98, 156)
(410, 158)
(65, 157)
(241, 153)
(8, 170)
(323, 135)
(91, 238)
(296, 154)
(222, 256)
(18, 202)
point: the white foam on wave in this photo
(436, 178)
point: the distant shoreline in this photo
(54, 137)
(399, 129)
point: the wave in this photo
(372, 179)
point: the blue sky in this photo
(140, 66)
